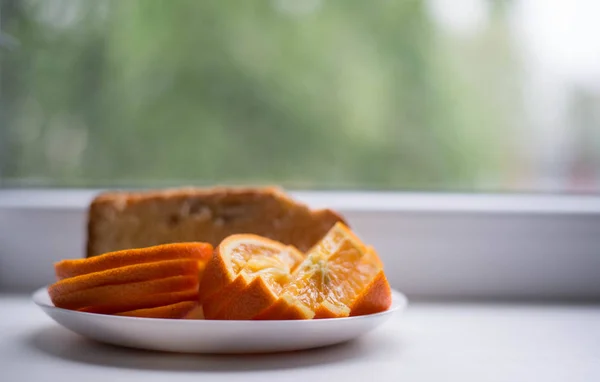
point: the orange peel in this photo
(129, 296)
(195, 250)
(126, 274)
(173, 311)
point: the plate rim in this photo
(399, 303)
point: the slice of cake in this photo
(125, 220)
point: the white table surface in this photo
(430, 342)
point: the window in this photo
(438, 95)
(449, 100)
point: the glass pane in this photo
(442, 95)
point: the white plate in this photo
(213, 336)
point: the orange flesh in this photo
(334, 274)
(271, 261)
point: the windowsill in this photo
(479, 247)
(440, 246)
(430, 342)
(373, 201)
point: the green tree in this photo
(164, 92)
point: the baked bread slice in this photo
(125, 220)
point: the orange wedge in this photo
(245, 276)
(375, 298)
(339, 277)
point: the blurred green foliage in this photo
(351, 94)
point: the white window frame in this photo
(433, 245)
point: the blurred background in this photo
(436, 95)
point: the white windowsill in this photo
(433, 245)
(355, 201)
(430, 342)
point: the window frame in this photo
(433, 245)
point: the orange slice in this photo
(133, 280)
(123, 275)
(340, 276)
(130, 296)
(118, 305)
(178, 310)
(72, 268)
(245, 276)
